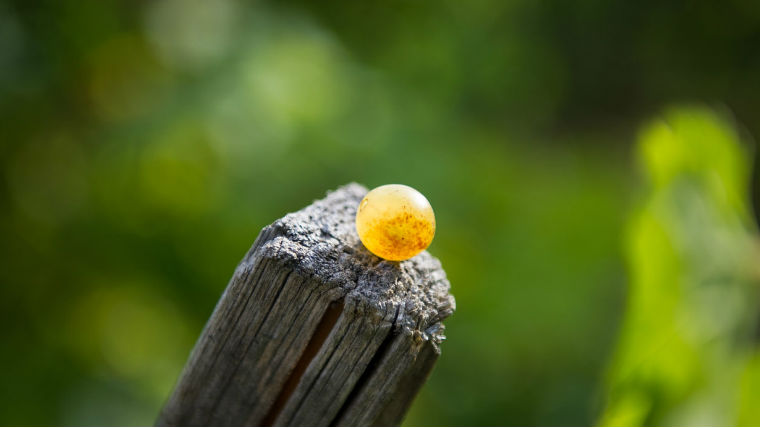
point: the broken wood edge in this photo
(281, 376)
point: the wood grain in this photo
(313, 329)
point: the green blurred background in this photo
(590, 164)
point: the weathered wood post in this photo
(315, 330)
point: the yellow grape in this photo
(395, 222)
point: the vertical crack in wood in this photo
(226, 385)
(394, 408)
(215, 331)
(374, 363)
(306, 332)
(316, 293)
(321, 369)
(324, 327)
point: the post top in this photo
(320, 241)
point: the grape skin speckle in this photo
(395, 222)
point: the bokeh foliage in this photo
(144, 145)
(689, 340)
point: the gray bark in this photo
(315, 330)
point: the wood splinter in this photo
(315, 330)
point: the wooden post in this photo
(315, 330)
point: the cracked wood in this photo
(313, 329)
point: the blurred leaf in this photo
(690, 320)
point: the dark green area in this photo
(144, 145)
